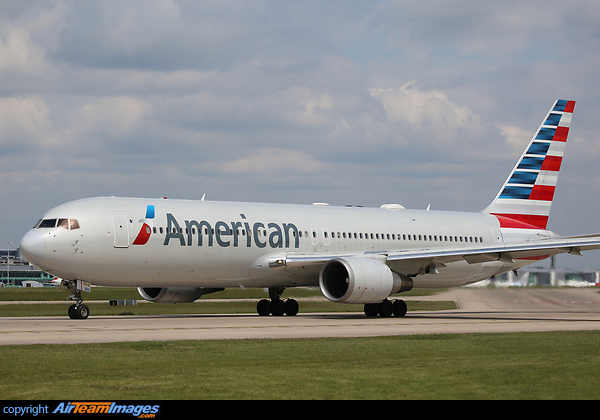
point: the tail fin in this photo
(525, 198)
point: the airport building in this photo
(16, 271)
(546, 277)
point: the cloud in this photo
(343, 102)
(516, 137)
(271, 161)
(309, 107)
(24, 121)
(420, 108)
(113, 116)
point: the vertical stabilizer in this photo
(525, 198)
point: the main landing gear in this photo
(78, 310)
(275, 306)
(386, 309)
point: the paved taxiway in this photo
(480, 310)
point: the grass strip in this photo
(549, 365)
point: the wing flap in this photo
(506, 252)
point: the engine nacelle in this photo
(173, 294)
(359, 280)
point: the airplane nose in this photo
(33, 246)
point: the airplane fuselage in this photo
(228, 244)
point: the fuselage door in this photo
(121, 231)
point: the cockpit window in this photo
(47, 223)
(69, 224)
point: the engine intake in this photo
(360, 280)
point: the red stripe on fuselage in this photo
(522, 221)
(143, 236)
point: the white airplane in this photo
(177, 250)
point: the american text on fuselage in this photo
(225, 235)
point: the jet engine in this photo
(173, 294)
(360, 280)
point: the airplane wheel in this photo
(399, 308)
(291, 307)
(82, 312)
(263, 307)
(71, 312)
(277, 307)
(385, 309)
(371, 309)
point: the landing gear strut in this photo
(386, 309)
(78, 310)
(276, 306)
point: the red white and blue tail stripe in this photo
(525, 198)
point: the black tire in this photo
(371, 310)
(71, 312)
(385, 309)
(291, 307)
(82, 312)
(263, 307)
(277, 307)
(399, 308)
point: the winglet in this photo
(525, 199)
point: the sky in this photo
(338, 101)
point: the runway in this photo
(480, 310)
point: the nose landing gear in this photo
(78, 310)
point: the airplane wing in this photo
(412, 262)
